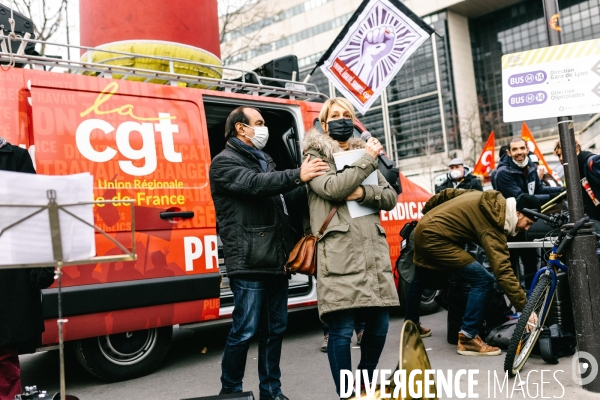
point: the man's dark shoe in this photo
(280, 397)
(425, 332)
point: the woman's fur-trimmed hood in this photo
(324, 144)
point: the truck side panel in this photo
(106, 323)
(145, 143)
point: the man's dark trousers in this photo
(260, 306)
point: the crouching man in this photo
(456, 217)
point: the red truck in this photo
(151, 143)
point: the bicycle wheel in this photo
(522, 342)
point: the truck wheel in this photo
(123, 356)
(428, 303)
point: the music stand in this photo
(55, 233)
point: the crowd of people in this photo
(355, 283)
(355, 287)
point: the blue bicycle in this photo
(539, 299)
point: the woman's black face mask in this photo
(340, 129)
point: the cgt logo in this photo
(147, 152)
(486, 159)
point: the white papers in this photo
(30, 241)
(348, 158)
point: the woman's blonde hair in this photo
(340, 101)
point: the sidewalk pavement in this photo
(558, 381)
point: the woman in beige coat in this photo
(354, 273)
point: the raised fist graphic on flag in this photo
(371, 48)
(377, 43)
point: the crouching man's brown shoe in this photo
(475, 347)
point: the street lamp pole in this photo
(584, 277)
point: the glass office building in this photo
(518, 28)
(412, 103)
(447, 98)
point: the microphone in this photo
(366, 135)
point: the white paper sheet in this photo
(30, 241)
(348, 158)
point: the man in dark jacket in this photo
(517, 174)
(450, 220)
(21, 320)
(589, 168)
(252, 218)
(459, 177)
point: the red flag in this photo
(532, 146)
(486, 161)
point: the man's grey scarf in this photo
(3, 142)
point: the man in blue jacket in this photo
(517, 174)
(252, 218)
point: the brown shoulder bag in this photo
(303, 258)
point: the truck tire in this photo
(428, 304)
(123, 356)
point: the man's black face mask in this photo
(341, 129)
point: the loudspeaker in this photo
(280, 68)
(232, 396)
(23, 25)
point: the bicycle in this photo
(540, 296)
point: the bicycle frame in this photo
(553, 264)
(522, 343)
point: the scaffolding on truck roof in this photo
(288, 89)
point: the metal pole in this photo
(61, 344)
(58, 259)
(584, 279)
(438, 83)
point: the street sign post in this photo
(551, 81)
(581, 255)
